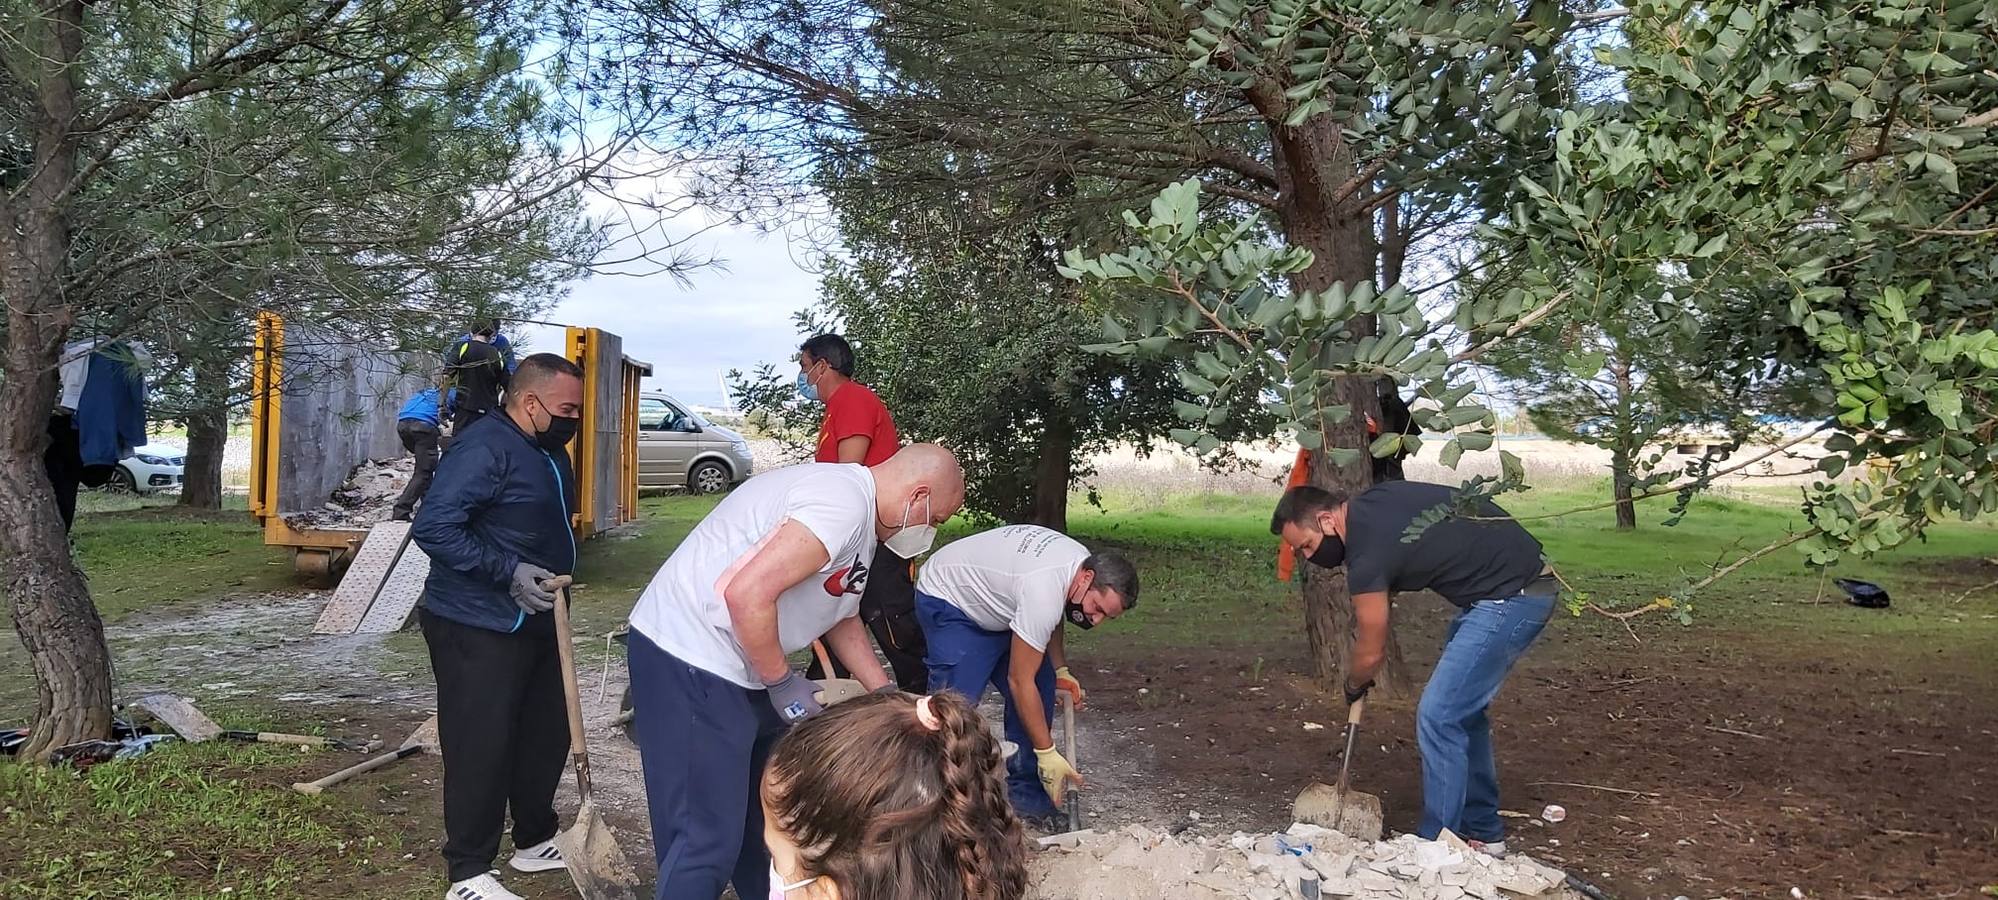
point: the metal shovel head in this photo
(191, 724)
(1356, 815)
(596, 863)
(425, 736)
(838, 690)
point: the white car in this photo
(152, 468)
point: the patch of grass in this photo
(187, 822)
(156, 554)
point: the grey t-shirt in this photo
(1462, 559)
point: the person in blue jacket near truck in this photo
(495, 523)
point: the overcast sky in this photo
(734, 315)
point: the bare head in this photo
(1307, 515)
(544, 388)
(921, 484)
(893, 797)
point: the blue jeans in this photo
(1459, 777)
(703, 741)
(964, 657)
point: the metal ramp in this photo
(379, 592)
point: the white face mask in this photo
(779, 890)
(914, 540)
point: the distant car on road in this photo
(678, 448)
(150, 469)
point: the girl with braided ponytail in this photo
(892, 797)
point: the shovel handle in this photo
(825, 660)
(320, 786)
(565, 645)
(1353, 712)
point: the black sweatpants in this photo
(421, 438)
(505, 733)
(888, 607)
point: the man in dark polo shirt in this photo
(1485, 564)
(859, 429)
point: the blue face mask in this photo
(807, 389)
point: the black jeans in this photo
(504, 728)
(888, 608)
(420, 438)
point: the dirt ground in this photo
(1844, 773)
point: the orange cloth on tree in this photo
(1300, 474)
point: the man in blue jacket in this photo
(420, 425)
(495, 523)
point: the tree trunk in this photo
(1052, 469)
(1623, 456)
(1312, 162)
(1620, 487)
(50, 602)
(207, 432)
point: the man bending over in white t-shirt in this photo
(992, 607)
(780, 563)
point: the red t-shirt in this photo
(852, 411)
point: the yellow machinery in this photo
(320, 405)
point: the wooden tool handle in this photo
(307, 740)
(825, 660)
(565, 645)
(1353, 712)
(315, 787)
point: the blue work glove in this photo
(793, 698)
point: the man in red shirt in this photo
(859, 429)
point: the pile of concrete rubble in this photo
(1306, 861)
(365, 500)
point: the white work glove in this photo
(528, 594)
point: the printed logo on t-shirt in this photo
(849, 580)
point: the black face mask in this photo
(1078, 617)
(560, 431)
(1331, 553)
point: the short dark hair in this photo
(1116, 573)
(486, 329)
(1301, 505)
(832, 350)
(538, 369)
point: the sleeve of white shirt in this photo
(836, 511)
(1044, 596)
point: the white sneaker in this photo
(1493, 849)
(484, 887)
(542, 857)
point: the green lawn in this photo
(141, 554)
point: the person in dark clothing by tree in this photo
(495, 524)
(478, 370)
(1396, 418)
(1485, 564)
(419, 424)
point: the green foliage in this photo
(1804, 185)
(1284, 348)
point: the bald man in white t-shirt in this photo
(778, 564)
(992, 607)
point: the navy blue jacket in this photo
(111, 414)
(497, 499)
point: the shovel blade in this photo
(1355, 814)
(596, 863)
(191, 724)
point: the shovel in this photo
(834, 690)
(422, 740)
(196, 727)
(596, 863)
(1351, 813)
